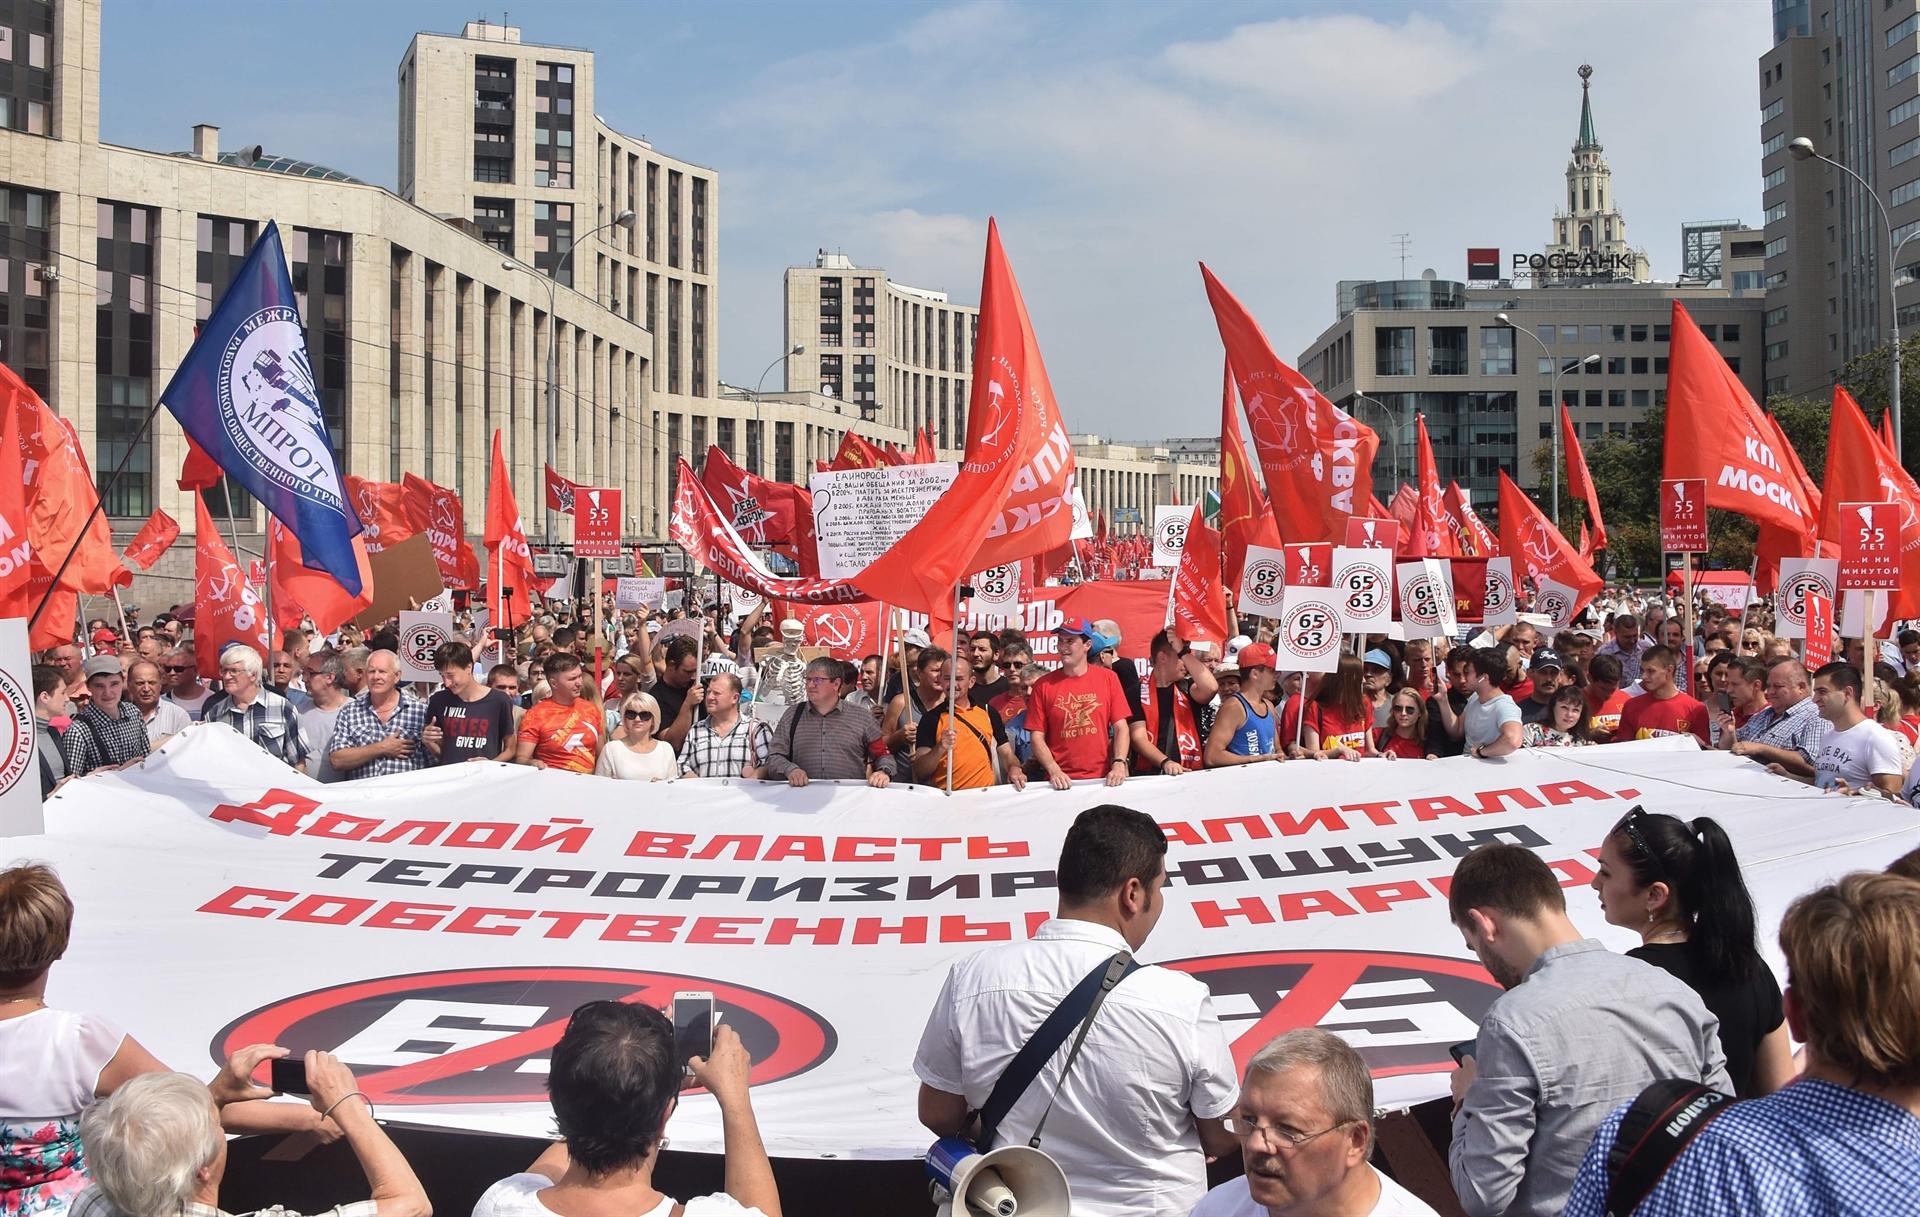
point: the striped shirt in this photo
(359, 726)
(269, 722)
(1800, 729)
(709, 754)
(95, 738)
(835, 745)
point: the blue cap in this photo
(1378, 658)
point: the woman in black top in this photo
(1678, 886)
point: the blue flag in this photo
(245, 394)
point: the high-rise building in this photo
(1844, 74)
(1590, 237)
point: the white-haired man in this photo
(257, 712)
(1305, 1124)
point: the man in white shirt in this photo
(1856, 754)
(184, 688)
(1489, 724)
(162, 717)
(1134, 1121)
(1305, 1124)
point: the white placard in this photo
(20, 812)
(674, 599)
(1798, 576)
(1426, 598)
(443, 603)
(420, 636)
(1170, 533)
(1308, 636)
(1364, 579)
(1263, 582)
(859, 513)
(744, 602)
(996, 592)
(632, 592)
(1502, 603)
(686, 627)
(1555, 602)
(1853, 616)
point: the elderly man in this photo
(107, 732)
(1305, 1124)
(378, 732)
(256, 711)
(284, 667)
(184, 688)
(820, 738)
(724, 744)
(66, 659)
(162, 717)
(353, 681)
(324, 674)
(1788, 731)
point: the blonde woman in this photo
(634, 754)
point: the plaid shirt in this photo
(359, 726)
(94, 738)
(269, 722)
(708, 754)
(1800, 729)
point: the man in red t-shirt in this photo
(1077, 713)
(1663, 709)
(1605, 697)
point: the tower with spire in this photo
(1589, 242)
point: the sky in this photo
(1117, 143)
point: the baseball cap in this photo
(1234, 644)
(1084, 628)
(1378, 658)
(103, 634)
(916, 638)
(101, 665)
(1255, 655)
(1545, 659)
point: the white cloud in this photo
(1339, 62)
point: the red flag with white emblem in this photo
(226, 608)
(509, 561)
(154, 538)
(1537, 548)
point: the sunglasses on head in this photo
(1631, 826)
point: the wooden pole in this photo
(1753, 573)
(1866, 654)
(1686, 624)
(599, 643)
(953, 673)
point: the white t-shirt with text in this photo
(1855, 756)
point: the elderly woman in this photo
(54, 1064)
(633, 753)
(158, 1151)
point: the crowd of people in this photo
(668, 698)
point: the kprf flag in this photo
(155, 536)
(702, 529)
(1196, 599)
(1475, 529)
(444, 518)
(245, 393)
(1862, 469)
(1014, 496)
(1776, 545)
(60, 498)
(858, 452)
(16, 546)
(1580, 485)
(1538, 551)
(1245, 518)
(1316, 457)
(1433, 535)
(762, 510)
(1717, 433)
(387, 515)
(560, 492)
(226, 608)
(300, 591)
(509, 561)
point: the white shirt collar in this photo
(1055, 929)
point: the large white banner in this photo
(436, 928)
(859, 513)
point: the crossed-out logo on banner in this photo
(1556, 604)
(419, 641)
(485, 1035)
(1499, 596)
(1423, 596)
(1265, 581)
(16, 732)
(1363, 588)
(1400, 1011)
(1795, 589)
(1313, 631)
(1173, 533)
(271, 410)
(996, 583)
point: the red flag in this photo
(1431, 537)
(701, 529)
(1406, 510)
(198, 471)
(226, 608)
(560, 492)
(763, 511)
(1886, 430)
(303, 591)
(857, 452)
(1538, 550)
(60, 498)
(509, 561)
(1476, 541)
(388, 515)
(1015, 493)
(1862, 469)
(1586, 542)
(1716, 432)
(444, 519)
(17, 565)
(1196, 600)
(160, 531)
(1776, 542)
(1317, 458)
(1580, 483)
(923, 450)
(1245, 518)
(1100, 532)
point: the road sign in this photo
(596, 522)
(1870, 546)
(1818, 614)
(1683, 515)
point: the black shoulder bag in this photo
(1075, 1009)
(1662, 1121)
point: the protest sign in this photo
(996, 592)
(1502, 605)
(421, 634)
(404, 574)
(1365, 533)
(1307, 638)
(1555, 601)
(1363, 576)
(633, 593)
(859, 513)
(1818, 622)
(1426, 598)
(1169, 533)
(1869, 546)
(19, 758)
(1262, 580)
(1683, 515)
(596, 522)
(293, 912)
(1800, 578)
(1309, 565)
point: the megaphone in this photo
(1012, 1181)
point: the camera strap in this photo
(1658, 1126)
(1075, 1010)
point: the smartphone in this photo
(289, 1075)
(1462, 1050)
(1724, 701)
(692, 1025)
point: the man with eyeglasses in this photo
(1305, 1126)
(162, 717)
(821, 738)
(324, 674)
(184, 688)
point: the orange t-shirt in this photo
(563, 737)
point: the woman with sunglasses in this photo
(634, 754)
(1405, 734)
(1566, 725)
(1678, 886)
(626, 676)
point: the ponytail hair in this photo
(1697, 863)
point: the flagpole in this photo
(1866, 653)
(953, 672)
(1686, 617)
(1753, 574)
(99, 504)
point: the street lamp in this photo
(1393, 425)
(1589, 361)
(1803, 150)
(623, 220)
(760, 441)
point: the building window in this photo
(1905, 68)
(1616, 365)
(1905, 30)
(553, 125)
(552, 238)
(1904, 111)
(1900, 154)
(697, 337)
(1639, 364)
(1776, 350)
(1569, 333)
(831, 314)
(1773, 111)
(1777, 178)
(863, 314)
(1773, 145)
(1546, 333)
(1660, 365)
(1543, 366)
(1590, 334)
(494, 218)
(1775, 213)
(1446, 353)
(1496, 351)
(318, 263)
(653, 212)
(26, 84)
(1730, 332)
(673, 216)
(699, 225)
(674, 314)
(396, 326)
(1640, 399)
(783, 452)
(1774, 278)
(492, 119)
(1617, 399)
(1393, 351)
(123, 356)
(1639, 333)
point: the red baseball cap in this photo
(103, 634)
(1255, 655)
